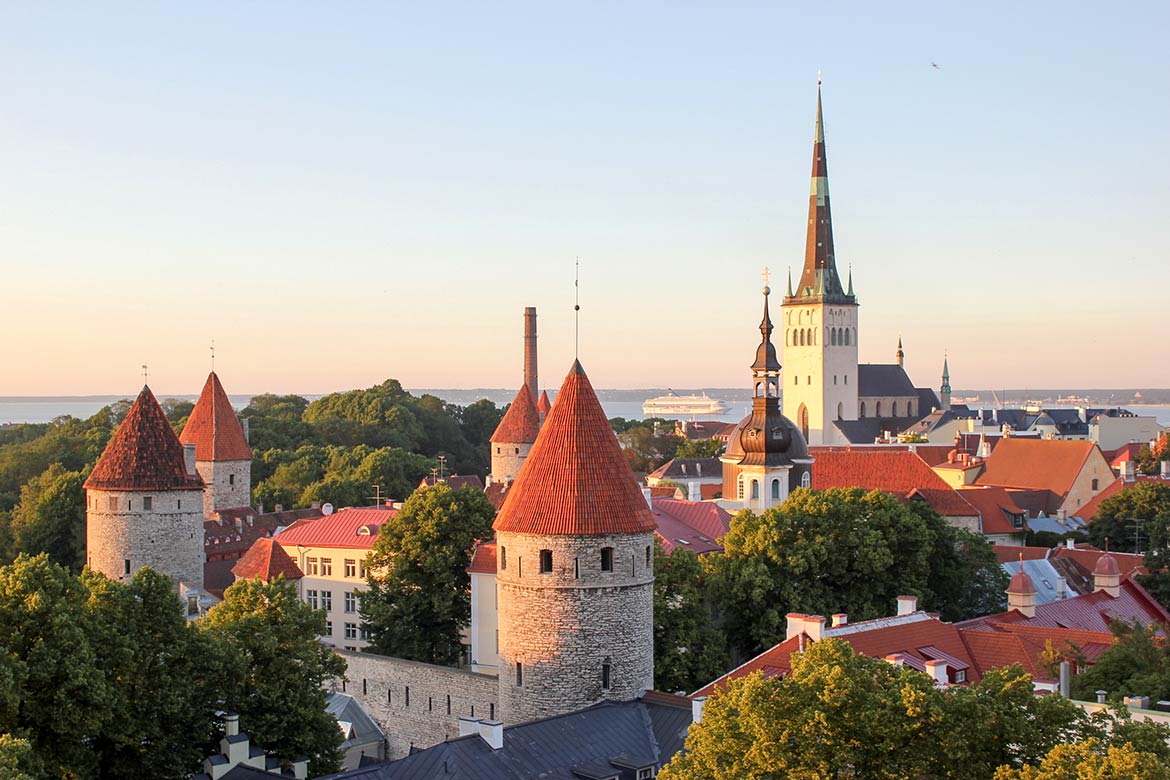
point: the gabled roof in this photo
(348, 528)
(1091, 612)
(143, 454)
(521, 422)
(266, 560)
(576, 479)
(878, 380)
(483, 560)
(691, 525)
(896, 471)
(995, 507)
(689, 468)
(213, 426)
(1040, 464)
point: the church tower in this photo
(766, 456)
(574, 568)
(944, 392)
(820, 322)
(143, 501)
(222, 455)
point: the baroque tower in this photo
(766, 456)
(143, 501)
(820, 322)
(222, 455)
(575, 568)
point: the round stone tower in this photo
(575, 568)
(514, 436)
(144, 504)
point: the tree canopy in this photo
(420, 592)
(1144, 504)
(689, 650)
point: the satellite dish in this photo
(327, 509)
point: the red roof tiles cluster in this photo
(544, 406)
(994, 504)
(1039, 464)
(691, 525)
(143, 454)
(521, 422)
(898, 472)
(575, 480)
(266, 560)
(483, 560)
(213, 426)
(348, 528)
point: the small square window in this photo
(147, 503)
(546, 561)
(607, 559)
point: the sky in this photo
(341, 193)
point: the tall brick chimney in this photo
(530, 377)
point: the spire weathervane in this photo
(577, 309)
(145, 374)
(213, 355)
(767, 274)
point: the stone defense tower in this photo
(222, 455)
(516, 433)
(575, 568)
(144, 501)
(820, 322)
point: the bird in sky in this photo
(935, 65)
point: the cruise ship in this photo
(683, 404)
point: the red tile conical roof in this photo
(544, 405)
(213, 426)
(522, 421)
(266, 559)
(144, 453)
(575, 480)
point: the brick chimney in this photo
(907, 605)
(938, 671)
(812, 626)
(189, 458)
(530, 375)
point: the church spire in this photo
(766, 360)
(819, 277)
(900, 355)
(945, 390)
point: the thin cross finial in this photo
(577, 309)
(767, 275)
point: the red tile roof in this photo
(483, 560)
(143, 454)
(1009, 553)
(1039, 464)
(266, 559)
(1123, 454)
(992, 502)
(575, 480)
(544, 406)
(898, 472)
(213, 426)
(1128, 564)
(347, 528)
(521, 422)
(1091, 612)
(692, 525)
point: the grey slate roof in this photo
(652, 728)
(927, 400)
(864, 431)
(344, 708)
(881, 380)
(1045, 576)
(682, 469)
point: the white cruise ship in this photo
(683, 404)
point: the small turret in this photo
(1107, 575)
(1021, 592)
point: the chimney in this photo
(1070, 543)
(189, 458)
(1062, 516)
(840, 619)
(1101, 696)
(1061, 588)
(468, 726)
(1107, 576)
(907, 605)
(279, 508)
(697, 704)
(246, 425)
(231, 724)
(300, 767)
(895, 659)
(239, 523)
(693, 493)
(646, 493)
(1166, 469)
(811, 625)
(937, 670)
(1127, 470)
(1065, 682)
(492, 732)
(530, 377)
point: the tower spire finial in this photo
(577, 309)
(819, 277)
(213, 356)
(145, 374)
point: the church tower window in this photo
(606, 675)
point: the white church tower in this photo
(820, 323)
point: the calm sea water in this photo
(617, 403)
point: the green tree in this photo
(14, 754)
(479, 421)
(700, 448)
(689, 651)
(420, 592)
(50, 517)
(1116, 522)
(965, 579)
(275, 422)
(1090, 760)
(1137, 663)
(280, 669)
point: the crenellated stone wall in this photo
(168, 537)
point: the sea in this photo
(616, 403)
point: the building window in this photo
(389, 696)
(519, 674)
(448, 704)
(311, 598)
(607, 559)
(326, 567)
(517, 450)
(862, 415)
(960, 675)
(776, 489)
(739, 488)
(606, 670)
(311, 565)
(795, 380)
(350, 601)
(648, 556)
(113, 503)
(407, 697)
(126, 567)
(645, 774)
(363, 633)
(755, 490)
(546, 561)
(180, 504)
(364, 691)
(806, 479)
(894, 411)
(1094, 485)
(148, 501)
(503, 559)
(430, 704)
(327, 600)
(350, 567)
(192, 605)
(576, 568)
(492, 710)
(328, 628)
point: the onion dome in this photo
(143, 454)
(576, 481)
(1021, 583)
(1106, 566)
(521, 423)
(213, 426)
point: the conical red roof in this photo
(521, 423)
(544, 405)
(144, 453)
(266, 559)
(213, 427)
(575, 480)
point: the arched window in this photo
(806, 479)
(894, 411)
(862, 415)
(802, 337)
(795, 380)
(847, 337)
(776, 489)
(755, 490)
(802, 420)
(833, 337)
(840, 411)
(877, 409)
(910, 409)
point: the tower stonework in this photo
(820, 322)
(222, 455)
(144, 502)
(575, 569)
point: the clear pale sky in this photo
(340, 193)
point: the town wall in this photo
(416, 704)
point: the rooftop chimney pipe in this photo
(530, 377)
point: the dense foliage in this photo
(840, 715)
(1138, 664)
(846, 550)
(1133, 519)
(647, 444)
(420, 592)
(104, 679)
(689, 650)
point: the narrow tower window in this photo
(607, 559)
(649, 557)
(519, 674)
(503, 559)
(546, 561)
(576, 568)
(147, 503)
(606, 674)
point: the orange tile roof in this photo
(1010, 553)
(266, 559)
(898, 472)
(575, 480)
(544, 405)
(992, 502)
(521, 422)
(347, 528)
(213, 426)
(1039, 464)
(483, 560)
(143, 454)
